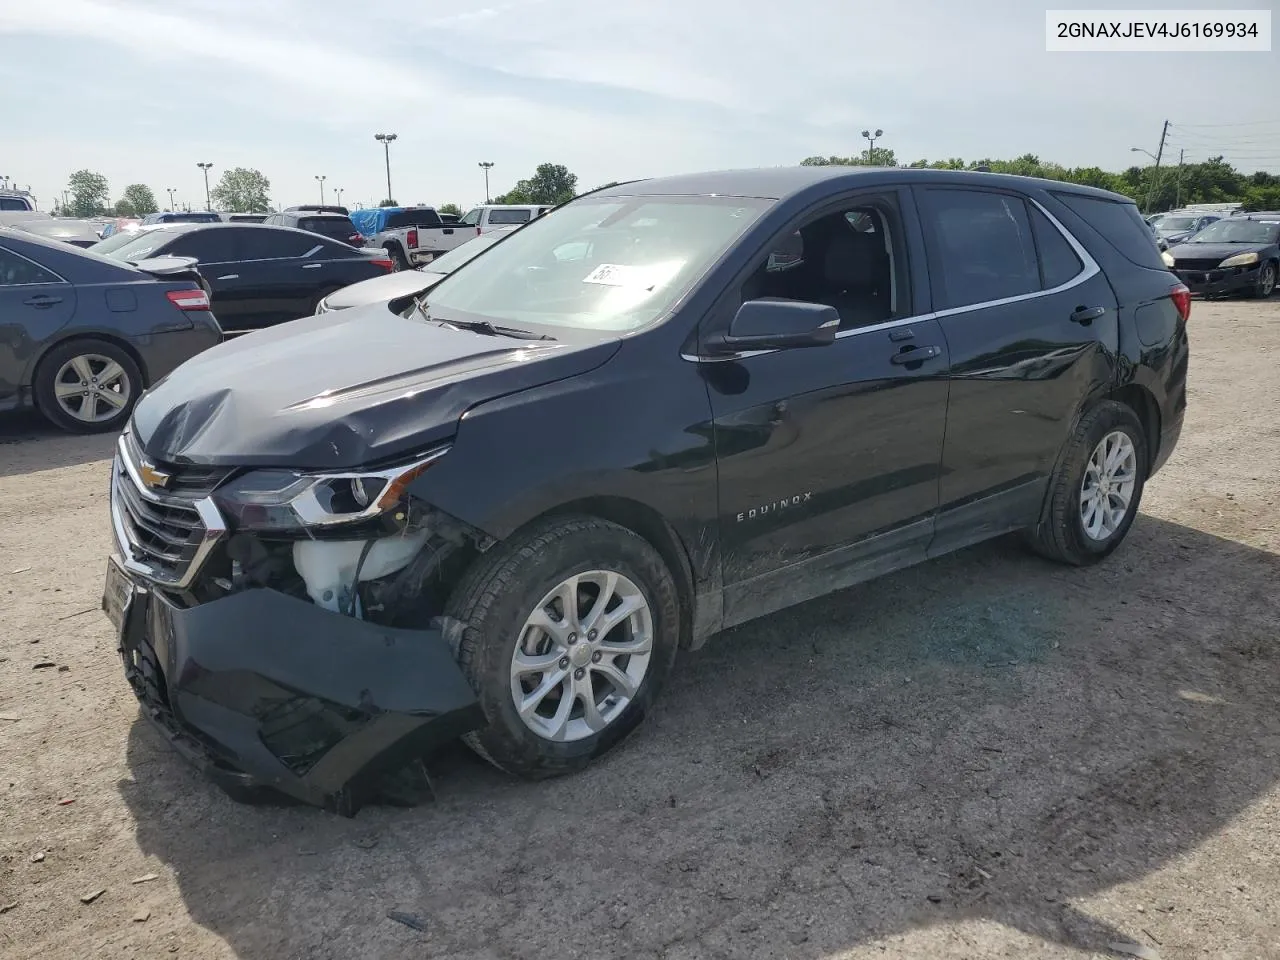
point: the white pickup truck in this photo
(410, 235)
(17, 206)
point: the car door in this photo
(34, 304)
(1031, 325)
(829, 457)
(288, 272)
(218, 254)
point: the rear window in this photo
(412, 218)
(508, 216)
(339, 228)
(136, 246)
(1120, 224)
(13, 203)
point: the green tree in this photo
(876, 157)
(242, 190)
(141, 198)
(449, 208)
(388, 203)
(89, 194)
(551, 183)
(124, 208)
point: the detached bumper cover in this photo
(262, 690)
(1220, 280)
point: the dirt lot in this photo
(988, 756)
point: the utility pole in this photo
(1155, 173)
(321, 177)
(1177, 203)
(487, 165)
(208, 204)
(385, 139)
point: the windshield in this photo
(133, 246)
(455, 258)
(601, 263)
(1238, 231)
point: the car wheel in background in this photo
(88, 386)
(1266, 284)
(1096, 488)
(398, 259)
(567, 634)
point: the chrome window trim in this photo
(1088, 271)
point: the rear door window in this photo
(980, 246)
(207, 246)
(1058, 261)
(1120, 225)
(18, 271)
(267, 243)
(508, 216)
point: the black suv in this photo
(498, 510)
(331, 222)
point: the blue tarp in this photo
(373, 220)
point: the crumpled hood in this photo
(340, 390)
(1213, 251)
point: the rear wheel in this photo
(398, 259)
(88, 386)
(1096, 489)
(1266, 284)
(568, 634)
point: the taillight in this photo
(356, 240)
(1181, 297)
(188, 299)
(385, 263)
(413, 237)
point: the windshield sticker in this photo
(647, 277)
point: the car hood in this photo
(1214, 251)
(382, 289)
(340, 390)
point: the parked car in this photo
(78, 233)
(1236, 255)
(258, 275)
(1177, 226)
(411, 235)
(180, 216)
(627, 426)
(243, 217)
(408, 283)
(327, 223)
(81, 337)
(490, 216)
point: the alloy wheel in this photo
(1267, 283)
(582, 655)
(1106, 492)
(92, 388)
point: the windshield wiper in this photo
(481, 326)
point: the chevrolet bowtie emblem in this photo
(152, 477)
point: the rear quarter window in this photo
(1120, 225)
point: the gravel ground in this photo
(987, 756)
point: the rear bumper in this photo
(264, 691)
(1219, 281)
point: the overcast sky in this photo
(140, 90)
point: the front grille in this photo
(1181, 264)
(166, 533)
(185, 481)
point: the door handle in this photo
(42, 300)
(229, 276)
(914, 354)
(1086, 315)
(312, 266)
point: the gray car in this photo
(81, 336)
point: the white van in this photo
(491, 216)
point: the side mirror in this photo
(778, 325)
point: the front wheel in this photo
(87, 386)
(1266, 284)
(567, 636)
(1095, 491)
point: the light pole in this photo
(487, 165)
(208, 204)
(385, 139)
(871, 143)
(338, 191)
(1146, 207)
(172, 191)
(321, 178)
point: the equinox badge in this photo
(777, 505)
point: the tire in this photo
(506, 587)
(398, 257)
(1266, 284)
(89, 359)
(1062, 533)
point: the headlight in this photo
(1240, 260)
(284, 500)
(1167, 258)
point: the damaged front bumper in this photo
(263, 690)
